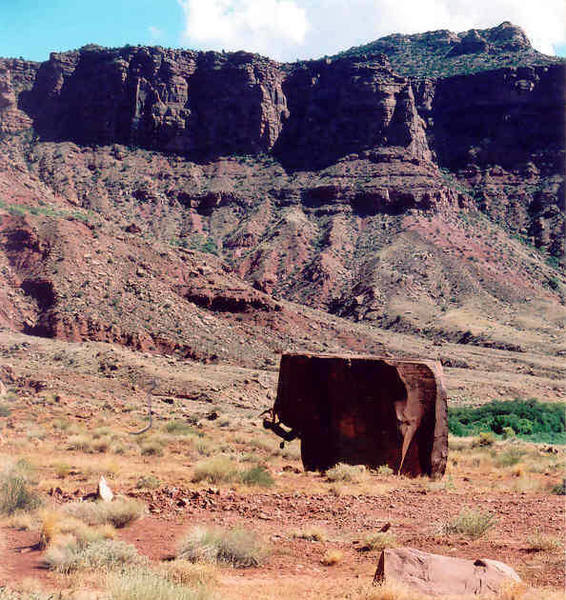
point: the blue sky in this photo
(282, 29)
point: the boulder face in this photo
(439, 575)
(364, 410)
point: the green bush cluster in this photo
(528, 419)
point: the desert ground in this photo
(207, 467)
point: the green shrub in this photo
(559, 489)
(219, 469)
(237, 547)
(509, 457)
(5, 410)
(471, 523)
(118, 512)
(528, 419)
(101, 554)
(259, 476)
(15, 493)
(138, 584)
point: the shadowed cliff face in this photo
(309, 114)
(198, 104)
(347, 106)
(210, 104)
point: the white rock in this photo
(104, 491)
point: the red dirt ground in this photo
(346, 518)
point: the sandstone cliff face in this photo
(347, 106)
(209, 104)
(491, 130)
(168, 100)
(16, 76)
(502, 133)
(334, 183)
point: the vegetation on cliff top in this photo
(444, 54)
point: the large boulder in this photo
(438, 575)
(370, 410)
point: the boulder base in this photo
(435, 574)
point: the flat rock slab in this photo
(438, 575)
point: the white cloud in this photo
(290, 29)
(155, 34)
(265, 26)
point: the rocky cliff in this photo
(347, 184)
(491, 129)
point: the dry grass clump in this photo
(332, 557)
(344, 472)
(559, 489)
(390, 590)
(190, 573)
(543, 542)
(15, 493)
(520, 591)
(151, 448)
(509, 457)
(68, 554)
(204, 447)
(471, 523)
(9, 594)
(222, 469)
(483, 440)
(259, 476)
(379, 541)
(118, 513)
(22, 521)
(137, 584)
(80, 443)
(148, 482)
(62, 469)
(55, 524)
(237, 547)
(219, 469)
(176, 427)
(311, 534)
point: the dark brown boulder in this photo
(435, 574)
(363, 410)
